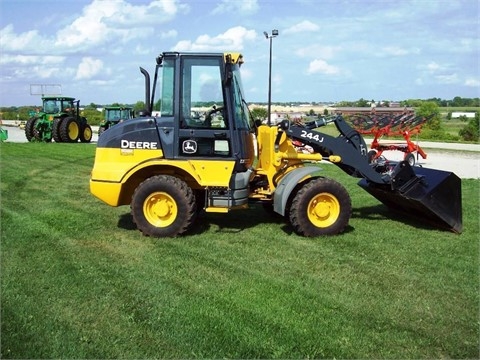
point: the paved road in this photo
(462, 159)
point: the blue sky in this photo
(327, 50)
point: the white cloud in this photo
(169, 34)
(433, 66)
(303, 26)
(233, 39)
(88, 68)
(327, 52)
(447, 79)
(31, 59)
(9, 41)
(472, 82)
(103, 21)
(245, 7)
(398, 51)
(321, 66)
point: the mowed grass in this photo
(79, 281)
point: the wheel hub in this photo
(323, 210)
(160, 209)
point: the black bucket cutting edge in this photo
(430, 195)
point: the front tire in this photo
(163, 206)
(321, 207)
(86, 134)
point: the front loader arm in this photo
(349, 146)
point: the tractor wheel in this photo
(37, 134)
(371, 155)
(56, 129)
(163, 206)
(321, 207)
(30, 129)
(86, 134)
(101, 130)
(69, 130)
(410, 158)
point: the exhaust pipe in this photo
(429, 194)
(148, 107)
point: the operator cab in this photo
(202, 113)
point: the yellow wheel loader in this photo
(195, 148)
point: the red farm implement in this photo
(380, 125)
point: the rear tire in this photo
(69, 130)
(56, 129)
(163, 206)
(321, 207)
(30, 128)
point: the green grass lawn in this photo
(79, 281)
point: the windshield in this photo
(55, 106)
(241, 117)
(117, 114)
(163, 102)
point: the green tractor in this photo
(115, 115)
(60, 120)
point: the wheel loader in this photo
(59, 120)
(202, 151)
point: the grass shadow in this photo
(233, 222)
(382, 212)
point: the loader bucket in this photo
(431, 195)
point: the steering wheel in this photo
(209, 113)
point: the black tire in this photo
(69, 130)
(163, 206)
(321, 207)
(56, 129)
(101, 130)
(371, 155)
(410, 158)
(30, 129)
(86, 134)
(38, 133)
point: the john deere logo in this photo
(189, 147)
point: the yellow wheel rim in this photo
(73, 130)
(160, 209)
(323, 210)
(87, 133)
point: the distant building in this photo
(375, 110)
(457, 114)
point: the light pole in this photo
(270, 37)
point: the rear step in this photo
(429, 194)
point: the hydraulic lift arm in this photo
(349, 146)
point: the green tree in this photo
(140, 105)
(430, 110)
(470, 132)
(259, 113)
(362, 103)
(94, 117)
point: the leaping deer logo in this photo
(189, 147)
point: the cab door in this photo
(203, 129)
